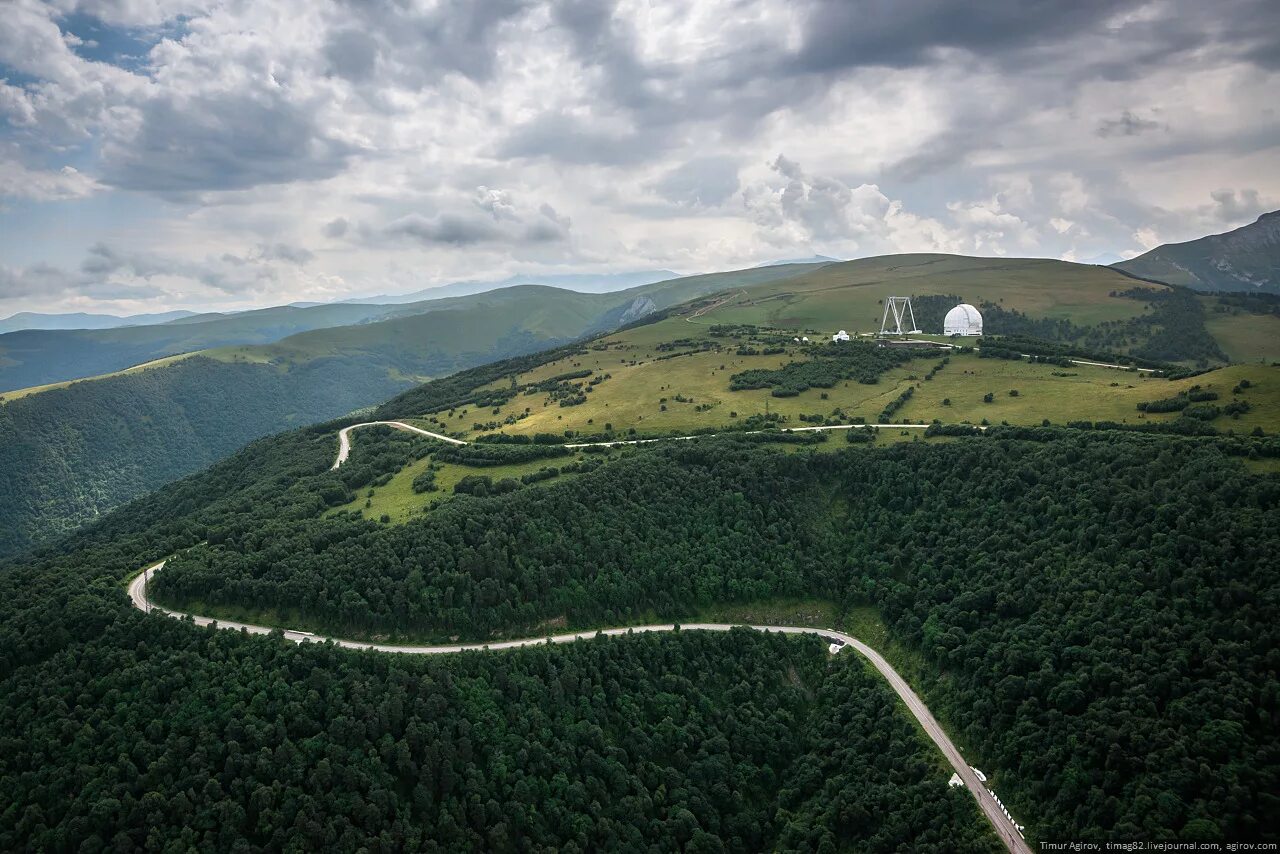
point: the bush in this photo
(498, 454)
(1206, 412)
(1166, 404)
(425, 482)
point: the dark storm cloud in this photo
(1237, 206)
(446, 229)
(903, 33)
(451, 229)
(286, 252)
(224, 141)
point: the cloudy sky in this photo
(159, 154)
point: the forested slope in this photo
(119, 729)
(68, 455)
(1104, 605)
(1094, 614)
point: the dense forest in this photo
(1095, 614)
(70, 454)
(1042, 575)
(1172, 329)
(122, 730)
(695, 742)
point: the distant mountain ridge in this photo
(80, 320)
(812, 259)
(586, 283)
(69, 454)
(1244, 259)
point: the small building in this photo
(840, 336)
(964, 319)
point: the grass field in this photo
(1081, 393)
(1246, 338)
(397, 500)
(683, 394)
(848, 296)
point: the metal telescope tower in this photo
(898, 318)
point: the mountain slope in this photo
(36, 357)
(582, 283)
(1246, 259)
(69, 454)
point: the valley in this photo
(526, 500)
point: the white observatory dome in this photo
(964, 319)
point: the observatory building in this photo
(964, 319)
(840, 336)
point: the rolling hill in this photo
(1244, 259)
(41, 357)
(849, 295)
(38, 357)
(71, 451)
(1037, 587)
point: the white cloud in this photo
(392, 145)
(19, 182)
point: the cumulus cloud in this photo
(19, 182)
(360, 144)
(1235, 206)
(450, 229)
(824, 213)
(502, 222)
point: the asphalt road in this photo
(344, 437)
(1002, 825)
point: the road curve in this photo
(991, 808)
(344, 436)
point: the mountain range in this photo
(69, 453)
(80, 320)
(1243, 259)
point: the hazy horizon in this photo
(216, 155)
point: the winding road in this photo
(344, 435)
(991, 807)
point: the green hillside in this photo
(672, 377)
(849, 295)
(1245, 259)
(71, 451)
(1026, 581)
(79, 459)
(41, 357)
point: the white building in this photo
(964, 319)
(840, 336)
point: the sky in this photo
(202, 154)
